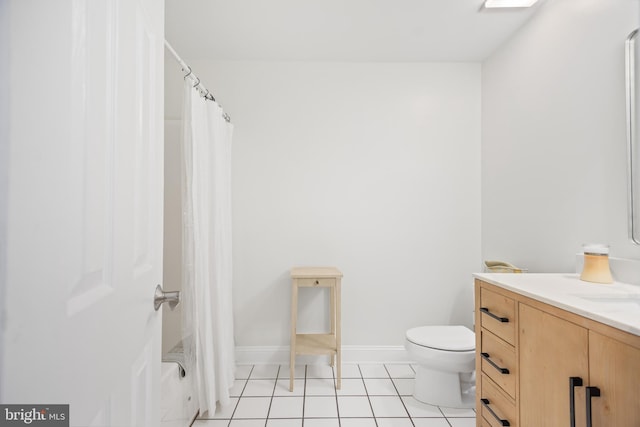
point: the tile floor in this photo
(371, 396)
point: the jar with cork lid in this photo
(596, 263)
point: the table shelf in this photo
(316, 344)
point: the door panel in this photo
(551, 351)
(91, 151)
(614, 367)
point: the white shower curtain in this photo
(206, 291)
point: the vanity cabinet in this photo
(553, 367)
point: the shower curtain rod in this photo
(199, 86)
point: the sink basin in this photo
(615, 301)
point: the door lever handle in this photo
(160, 297)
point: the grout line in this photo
(400, 397)
(238, 402)
(304, 391)
(364, 384)
(333, 374)
(275, 384)
(243, 388)
(445, 417)
(246, 381)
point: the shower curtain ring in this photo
(188, 74)
(197, 83)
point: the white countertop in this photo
(616, 304)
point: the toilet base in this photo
(449, 389)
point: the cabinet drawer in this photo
(319, 282)
(498, 314)
(484, 423)
(497, 402)
(499, 362)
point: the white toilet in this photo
(446, 365)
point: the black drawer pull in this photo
(573, 383)
(498, 318)
(591, 392)
(485, 403)
(486, 357)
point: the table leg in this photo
(338, 335)
(332, 304)
(294, 318)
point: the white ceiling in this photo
(339, 30)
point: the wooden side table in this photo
(316, 344)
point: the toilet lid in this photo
(448, 338)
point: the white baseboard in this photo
(260, 355)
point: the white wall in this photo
(370, 167)
(553, 136)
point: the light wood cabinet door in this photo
(614, 368)
(551, 351)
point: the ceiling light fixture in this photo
(508, 3)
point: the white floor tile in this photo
(282, 388)
(387, 406)
(458, 413)
(319, 371)
(357, 422)
(350, 370)
(252, 407)
(354, 407)
(286, 407)
(400, 371)
(284, 423)
(263, 372)
(247, 423)
(210, 423)
(380, 387)
(394, 422)
(320, 387)
(352, 387)
(242, 371)
(223, 411)
(432, 422)
(404, 386)
(256, 384)
(373, 371)
(327, 422)
(297, 373)
(236, 389)
(419, 409)
(462, 422)
(259, 388)
(320, 407)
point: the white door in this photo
(81, 207)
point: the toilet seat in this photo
(445, 338)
